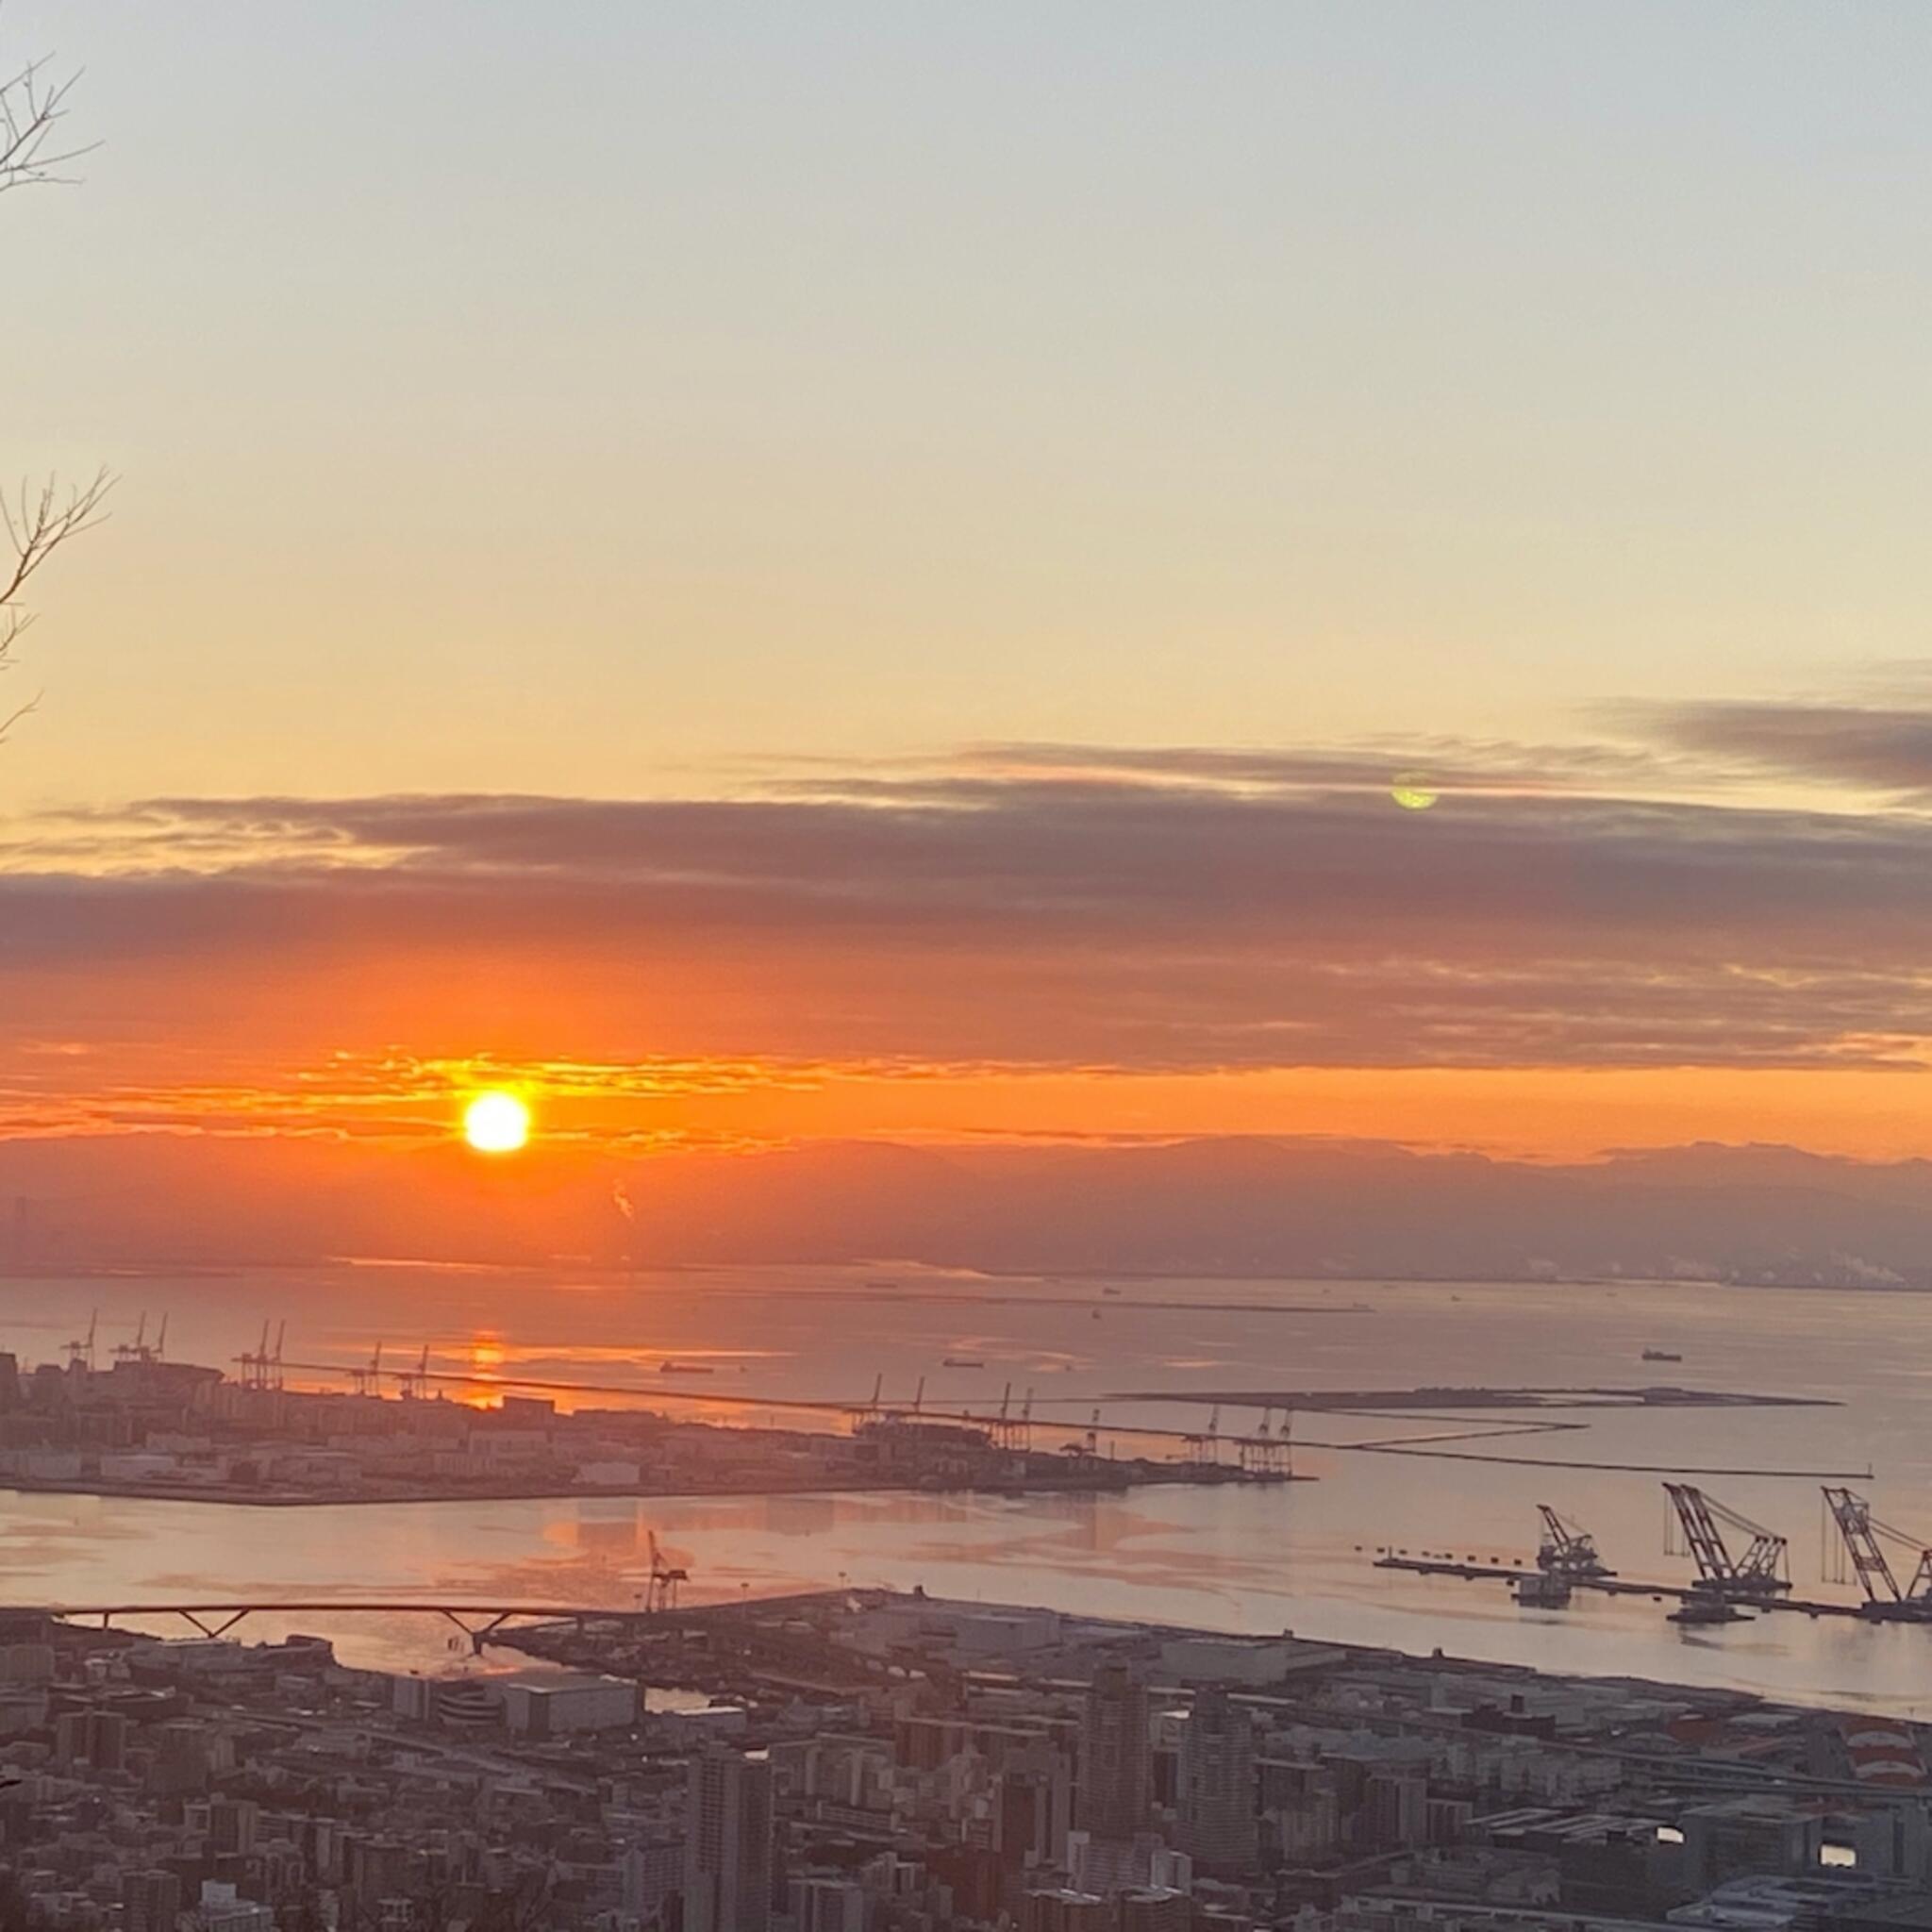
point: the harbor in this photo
(1235, 1555)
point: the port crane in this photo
(368, 1381)
(1755, 1575)
(1012, 1431)
(414, 1383)
(80, 1351)
(136, 1350)
(665, 1578)
(868, 1411)
(140, 1349)
(1865, 1537)
(262, 1366)
(1205, 1447)
(1566, 1550)
(254, 1363)
(1266, 1453)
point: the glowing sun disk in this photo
(496, 1123)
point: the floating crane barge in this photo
(1887, 1601)
(1755, 1578)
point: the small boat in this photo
(685, 1369)
(1110, 1291)
(962, 1361)
(1661, 1354)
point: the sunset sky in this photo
(760, 572)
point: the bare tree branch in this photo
(32, 106)
(43, 516)
(37, 523)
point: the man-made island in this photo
(146, 1426)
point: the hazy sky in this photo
(861, 464)
(551, 398)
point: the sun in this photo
(496, 1123)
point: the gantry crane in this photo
(1265, 1454)
(1205, 1447)
(414, 1383)
(136, 1350)
(368, 1381)
(254, 1363)
(865, 1412)
(80, 1351)
(1566, 1550)
(1755, 1575)
(1012, 1431)
(665, 1578)
(1865, 1537)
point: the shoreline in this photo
(955, 1279)
(549, 1492)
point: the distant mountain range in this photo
(1234, 1206)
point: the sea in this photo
(1855, 1369)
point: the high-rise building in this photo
(728, 1843)
(106, 1739)
(1154, 1910)
(1217, 1794)
(1116, 1756)
(377, 1867)
(1033, 1806)
(181, 1762)
(150, 1902)
(1067, 1911)
(95, 1737)
(827, 1904)
(651, 1874)
(231, 1826)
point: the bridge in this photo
(478, 1622)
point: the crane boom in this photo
(1853, 1515)
(1865, 1536)
(1757, 1572)
(1566, 1550)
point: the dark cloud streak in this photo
(1022, 916)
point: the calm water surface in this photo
(1296, 1557)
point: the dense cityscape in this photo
(866, 1763)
